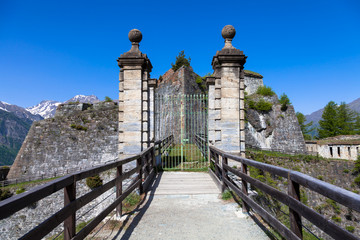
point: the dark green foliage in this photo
(345, 120)
(357, 180)
(334, 205)
(338, 120)
(78, 127)
(336, 218)
(261, 106)
(160, 78)
(350, 228)
(305, 128)
(265, 91)
(328, 123)
(20, 190)
(94, 182)
(285, 102)
(131, 201)
(199, 80)
(356, 169)
(108, 99)
(4, 194)
(180, 61)
(226, 195)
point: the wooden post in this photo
(223, 172)
(69, 223)
(119, 172)
(153, 156)
(295, 218)
(140, 172)
(216, 156)
(244, 187)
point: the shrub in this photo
(180, 61)
(199, 80)
(336, 218)
(226, 195)
(263, 106)
(265, 91)
(131, 201)
(20, 190)
(94, 181)
(320, 178)
(346, 171)
(4, 194)
(357, 180)
(356, 167)
(350, 228)
(285, 101)
(78, 127)
(108, 99)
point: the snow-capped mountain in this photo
(20, 112)
(84, 99)
(45, 108)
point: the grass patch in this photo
(226, 195)
(130, 202)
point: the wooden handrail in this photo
(145, 160)
(291, 199)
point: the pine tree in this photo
(357, 124)
(328, 123)
(181, 61)
(305, 128)
(345, 120)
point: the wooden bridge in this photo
(222, 174)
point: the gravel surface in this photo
(165, 215)
(192, 217)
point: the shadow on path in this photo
(141, 209)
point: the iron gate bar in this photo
(183, 117)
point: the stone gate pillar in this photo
(226, 97)
(134, 104)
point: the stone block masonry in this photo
(73, 140)
(135, 94)
(226, 97)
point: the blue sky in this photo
(56, 49)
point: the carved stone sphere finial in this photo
(135, 36)
(228, 32)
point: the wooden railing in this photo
(220, 172)
(144, 170)
(202, 143)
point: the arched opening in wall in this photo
(349, 151)
(338, 148)
(331, 151)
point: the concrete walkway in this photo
(184, 205)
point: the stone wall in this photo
(72, 140)
(252, 83)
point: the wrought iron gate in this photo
(185, 118)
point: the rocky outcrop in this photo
(275, 130)
(78, 137)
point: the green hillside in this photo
(13, 131)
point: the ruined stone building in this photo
(340, 147)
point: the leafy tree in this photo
(108, 99)
(181, 60)
(328, 123)
(305, 128)
(345, 120)
(285, 102)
